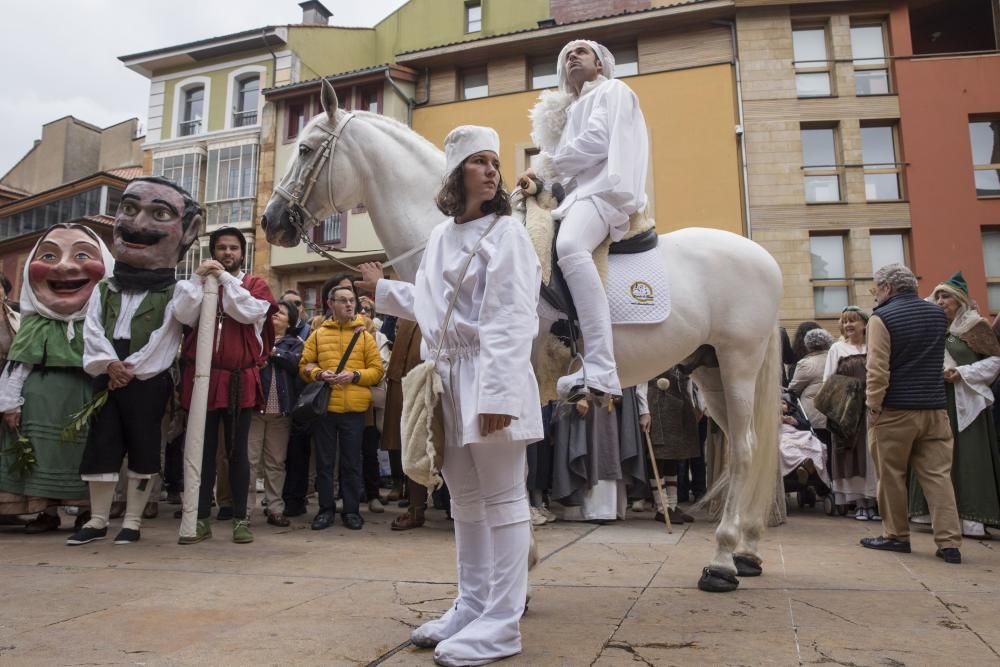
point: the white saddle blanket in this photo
(638, 290)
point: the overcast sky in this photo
(61, 56)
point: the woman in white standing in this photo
(490, 401)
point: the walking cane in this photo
(659, 484)
(194, 438)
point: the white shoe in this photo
(861, 514)
(973, 529)
(550, 517)
(474, 547)
(260, 486)
(639, 505)
(923, 519)
(375, 505)
(537, 518)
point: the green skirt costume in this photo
(975, 468)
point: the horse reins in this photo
(297, 194)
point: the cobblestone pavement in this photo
(620, 594)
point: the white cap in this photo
(465, 140)
(604, 57)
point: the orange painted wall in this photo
(936, 98)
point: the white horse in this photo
(725, 291)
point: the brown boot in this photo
(117, 510)
(414, 518)
(151, 511)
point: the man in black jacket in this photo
(907, 412)
(270, 427)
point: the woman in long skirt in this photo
(490, 401)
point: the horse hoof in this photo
(717, 581)
(747, 566)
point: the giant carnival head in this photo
(65, 265)
(156, 223)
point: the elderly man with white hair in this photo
(592, 137)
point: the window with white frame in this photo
(543, 72)
(194, 256)
(820, 166)
(878, 150)
(991, 259)
(247, 94)
(829, 274)
(871, 71)
(330, 232)
(626, 60)
(231, 185)
(985, 138)
(888, 248)
(192, 109)
(812, 66)
(473, 16)
(184, 170)
(475, 83)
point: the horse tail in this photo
(758, 492)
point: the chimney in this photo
(314, 13)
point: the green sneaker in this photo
(202, 532)
(241, 531)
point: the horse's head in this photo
(306, 195)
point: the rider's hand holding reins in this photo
(371, 273)
(491, 423)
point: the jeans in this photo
(236, 452)
(297, 468)
(343, 431)
(369, 462)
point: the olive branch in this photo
(23, 456)
(78, 421)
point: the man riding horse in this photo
(593, 141)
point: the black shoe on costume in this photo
(225, 514)
(127, 536)
(42, 523)
(353, 521)
(294, 509)
(885, 544)
(950, 555)
(322, 520)
(86, 535)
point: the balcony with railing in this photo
(244, 118)
(189, 127)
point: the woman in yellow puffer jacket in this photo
(350, 397)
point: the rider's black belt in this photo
(633, 246)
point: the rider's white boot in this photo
(592, 310)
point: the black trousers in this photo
(236, 452)
(129, 424)
(173, 465)
(341, 431)
(297, 467)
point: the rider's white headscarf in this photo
(603, 56)
(465, 140)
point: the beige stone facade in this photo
(780, 218)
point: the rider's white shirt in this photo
(604, 147)
(485, 365)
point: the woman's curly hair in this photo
(450, 198)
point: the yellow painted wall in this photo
(691, 119)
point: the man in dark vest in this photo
(243, 338)
(907, 412)
(131, 340)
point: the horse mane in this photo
(399, 131)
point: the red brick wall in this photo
(566, 11)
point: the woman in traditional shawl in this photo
(972, 361)
(851, 468)
(10, 319)
(44, 382)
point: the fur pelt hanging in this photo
(422, 432)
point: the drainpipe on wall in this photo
(740, 128)
(410, 102)
(274, 58)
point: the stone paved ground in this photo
(620, 594)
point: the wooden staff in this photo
(659, 484)
(194, 438)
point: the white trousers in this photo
(490, 506)
(582, 230)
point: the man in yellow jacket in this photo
(350, 369)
